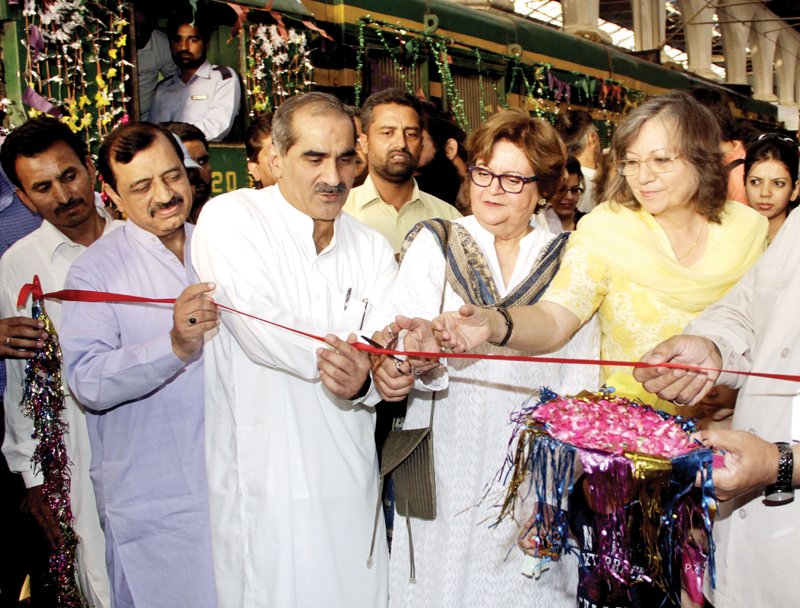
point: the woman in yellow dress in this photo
(664, 246)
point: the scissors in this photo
(391, 344)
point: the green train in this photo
(470, 62)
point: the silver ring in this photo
(415, 372)
(8, 340)
(192, 320)
(391, 333)
(397, 364)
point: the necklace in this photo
(700, 233)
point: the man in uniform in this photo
(205, 95)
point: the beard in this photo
(188, 62)
(393, 171)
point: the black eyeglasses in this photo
(786, 140)
(574, 191)
(510, 183)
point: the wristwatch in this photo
(782, 491)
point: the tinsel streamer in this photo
(43, 402)
(650, 525)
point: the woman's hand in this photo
(468, 328)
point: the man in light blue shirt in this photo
(138, 370)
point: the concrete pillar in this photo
(786, 67)
(697, 15)
(580, 18)
(649, 24)
(763, 55)
(797, 82)
(734, 21)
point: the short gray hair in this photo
(283, 135)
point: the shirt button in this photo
(752, 430)
(785, 353)
(742, 513)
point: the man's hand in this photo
(680, 386)
(194, 314)
(20, 337)
(751, 463)
(468, 328)
(344, 369)
(35, 504)
(391, 375)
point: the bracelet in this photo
(509, 325)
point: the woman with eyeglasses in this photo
(664, 246)
(564, 203)
(495, 259)
(770, 169)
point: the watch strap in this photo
(782, 490)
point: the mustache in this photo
(155, 208)
(73, 202)
(402, 150)
(328, 189)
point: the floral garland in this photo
(75, 67)
(43, 402)
(278, 65)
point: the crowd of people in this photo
(220, 460)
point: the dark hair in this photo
(34, 137)
(125, 142)
(258, 129)
(387, 96)
(185, 16)
(574, 127)
(573, 167)
(719, 104)
(442, 129)
(186, 132)
(772, 146)
(538, 141)
(354, 111)
(696, 139)
(283, 134)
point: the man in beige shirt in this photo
(390, 200)
(755, 327)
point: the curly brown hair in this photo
(696, 139)
(538, 141)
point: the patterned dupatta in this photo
(467, 270)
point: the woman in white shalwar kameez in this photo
(460, 560)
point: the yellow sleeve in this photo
(580, 284)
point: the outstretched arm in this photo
(541, 328)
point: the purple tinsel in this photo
(43, 402)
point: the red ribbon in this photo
(80, 295)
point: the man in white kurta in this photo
(55, 177)
(292, 466)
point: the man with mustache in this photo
(291, 458)
(390, 200)
(54, 176)
(204, 95)
(138, 370)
